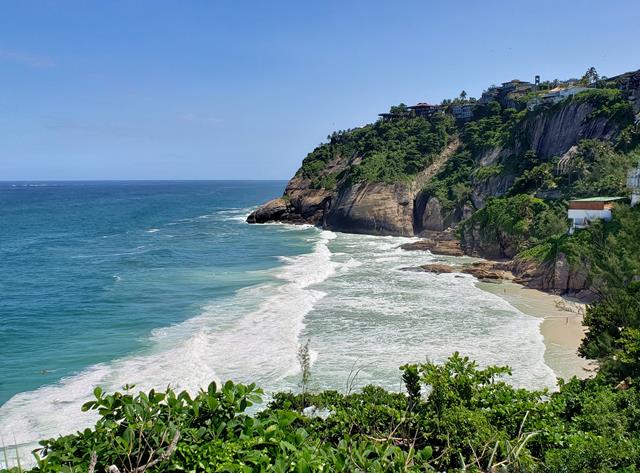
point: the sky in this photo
(153, 89)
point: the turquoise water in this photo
(87, 270)
(163, 283)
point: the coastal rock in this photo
(438, 243)
(433, 268)
(307, 203)
(429, 211)
(372, 208)
(487, 270)
(274, 210)
(377, 208)
(557, 276)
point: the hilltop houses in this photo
(554, 96)
(426, 110)
(421, 109)
(516, 85)
(507, 92)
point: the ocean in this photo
(163, 283)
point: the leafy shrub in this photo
(456, 417)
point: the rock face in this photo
(554, 276)
(429, 213)
(552, 134)
(372, 208)
(473, 242)
(494, 186)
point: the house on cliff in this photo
(558, 94)
(584, 211)
(421, 109)
(426, 110)
(506, 93)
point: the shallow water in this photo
(163, 283)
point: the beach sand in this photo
(561, 326)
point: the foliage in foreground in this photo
(454, 417)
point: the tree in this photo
(590, 77)
(463, 95)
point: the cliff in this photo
(355, 193)
(410, 175)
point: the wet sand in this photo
(561, 326)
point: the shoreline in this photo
(561, 325)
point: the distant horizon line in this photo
(142, 180)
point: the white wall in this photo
(589, 214)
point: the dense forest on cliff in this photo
(385, 151)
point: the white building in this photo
(557, 95)
(584, 211)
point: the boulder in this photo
(274, 210)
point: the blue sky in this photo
(152, 89)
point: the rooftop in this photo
(597, 199)
(422, 105)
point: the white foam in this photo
(347, 296)
(253, 337)
(236, 214)
(382, 317)
(153, 230)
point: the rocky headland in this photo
(440, 177)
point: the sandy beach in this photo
(561, 325)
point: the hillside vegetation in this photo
(385, 151)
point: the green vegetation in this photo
(516, 223)
(495, 128)
(453, 417)
(455, 175)
(486, 172)
(608, 103)
(598, 169)
(389, 151)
